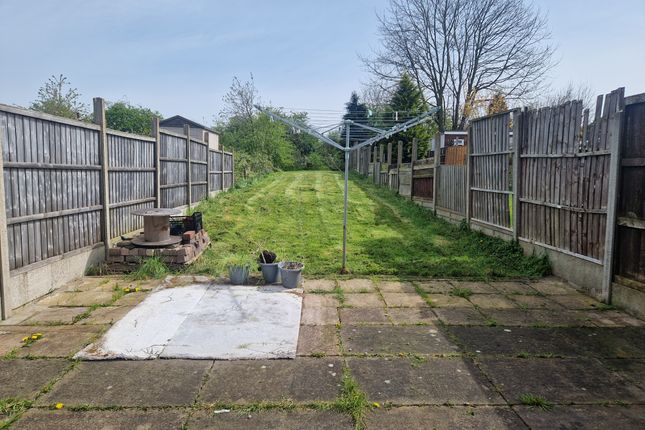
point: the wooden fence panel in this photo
(491, 171)
(199, 170)
(228, 170)
(215, 159)
(630, 249)
(131, 175)
(451, 189)
(174, 171)
(52, 177)
(456, 155)
(565, 167)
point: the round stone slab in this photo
(156, 212)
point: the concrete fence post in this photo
(104, 192)
(157, 136)
(436, 143)
(189, 169)
(4, 241)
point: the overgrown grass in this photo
(298, 215)
(151, 268)
(461, 292)
(536, 401)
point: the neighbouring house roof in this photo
(180, 121)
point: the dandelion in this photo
(126, 290)
(59, 406)
(376, 405)
(137, 289)
(25, 339)
(34, 337)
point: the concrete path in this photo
(375, 354)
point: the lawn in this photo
(299, 216)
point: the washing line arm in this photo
(306, 129)
(398, 128)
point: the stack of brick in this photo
(125, 253)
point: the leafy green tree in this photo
(133, 119)
(57, 97)
(406, 103)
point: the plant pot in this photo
(270, 272)
(291, 273)
(239, 274)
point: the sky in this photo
(179, 57)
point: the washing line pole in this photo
(343, 269)
(381, 134)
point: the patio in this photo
(426, 353)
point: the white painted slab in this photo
(205, 321)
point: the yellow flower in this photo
(25, 339)
(39, 334)
(137, 289)
(126, 290)
(34, 337)
(376, 405)
(59, 406)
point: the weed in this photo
(10, 406)
(352, 400)
(318, 354)
(151, 268)
(523, 354)
(340, 295)
(535, 400)
(603, 307)
(424, 295)
(491, 322)
(461, 292)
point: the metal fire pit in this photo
(156, 227)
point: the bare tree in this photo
(458, 50)
(240, 99)
(571, 92)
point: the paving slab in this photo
(619, 342)
(438, 287)
(366, 300)
(23, 379)
(436, 381)
(131, 299)
(552, 287)
(357, 286)
(421, 315)
(537, 317)
(576, 301)
(92, 283)
(407, 300)
(130, 383)
(475, 287)
(320, 300)
(55, 315)
(283, 420)
(517, 341)
(319, 285)
(396, 287)
(364, 315)
(513, 287)
(460, 316)
(395, 340)
(492, 301)
(319, 315)
(10, 338)
(610, 318)
(58, 341)
(560, 380)
(632, 369)
(588, 417)
(39, 419)
(318, 339)
(106, 315)
(251, 381)
(535, 302)
(448, 301)
(444, 418)
(81, 298)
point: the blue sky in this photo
(180, 57)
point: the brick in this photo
(133, 259)
(115, 259)
(114, 251)
(188, 236)
(150, 252)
